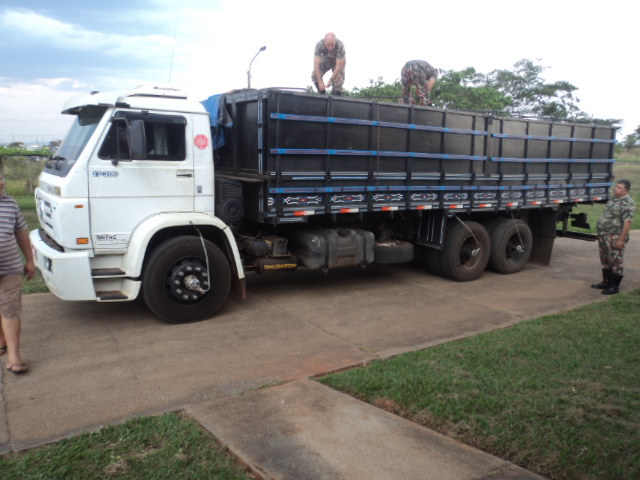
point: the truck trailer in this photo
(152, 194)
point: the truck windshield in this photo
(74, 143)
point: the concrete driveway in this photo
(94, 363)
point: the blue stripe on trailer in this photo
(313, 151)
(431, 188)
(373, 123)
(553, 160)
(558, 139)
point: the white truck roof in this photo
(149, 96)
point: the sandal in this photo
(3, 350)
(17, 368)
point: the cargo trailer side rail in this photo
(322, 155)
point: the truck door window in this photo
(165, 135)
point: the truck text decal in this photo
(110, 238)
(105, 173)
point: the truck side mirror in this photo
(137, 139)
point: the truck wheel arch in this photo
(156, 229)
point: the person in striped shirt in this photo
(13, 235)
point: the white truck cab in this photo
(134, 173)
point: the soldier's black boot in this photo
(615, 285)
(606, 280)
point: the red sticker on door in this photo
(201, 142)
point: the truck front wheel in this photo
(177, 285)
(466, 251)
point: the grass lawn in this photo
(559, 395)
(164, 447)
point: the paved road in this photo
(96, 363)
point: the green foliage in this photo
(531, 95)
(466, 90)
(631, 141)
(17, 150)
(519, 91)
(21, 174)
(379, 90)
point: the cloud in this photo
(33, 28)
(30, 111)
(81, 46)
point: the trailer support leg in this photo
(543, 228)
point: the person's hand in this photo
(321, 86)
(29, 270)
(329, 82)
(619, 243)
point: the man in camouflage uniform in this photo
(329, 54)
(613, 234)
(420, 74)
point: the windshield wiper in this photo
(54, 162)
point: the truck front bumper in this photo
(66, 274)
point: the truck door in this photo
(156, 176)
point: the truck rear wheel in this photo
(433, 261)
(176, 285)
(466, 251)
(511, 243)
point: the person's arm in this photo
(340, 63)
(626, 226)
(316, 72)
(22, 237)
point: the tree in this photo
(631, 141)
(54, 144)
(520, 91)
(531, 95)
(467, 90)
(378, 89)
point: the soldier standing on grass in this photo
(613, 234)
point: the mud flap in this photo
(543, 228)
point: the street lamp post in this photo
(249, 71)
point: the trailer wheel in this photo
(433, 261)
(511, 243)
(395, 251)
(176, 285)
(491, 224)
(466, 251)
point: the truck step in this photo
(112, 295)
(107, 272)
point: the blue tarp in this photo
(219, 119)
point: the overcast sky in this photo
(52, 51)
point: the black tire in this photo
(491, 224)
(433, 261)
(511, 243)
(396, 251)
(466, 251)
(176, 261)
